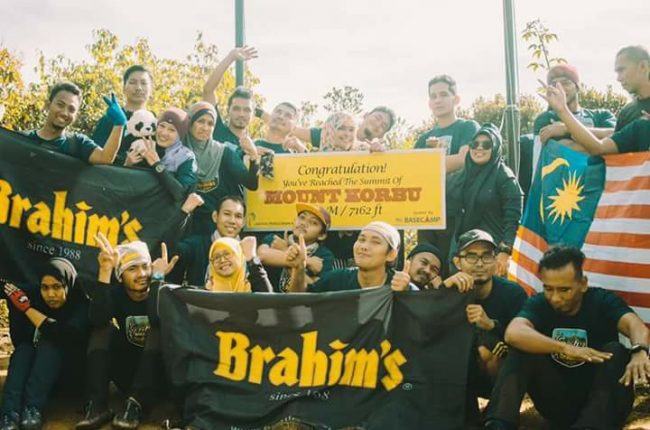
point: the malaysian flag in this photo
(601, 205)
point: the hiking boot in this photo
(9, 421)
(31, 419)
(130, 418)
(94, 417)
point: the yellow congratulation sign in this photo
(403, 188)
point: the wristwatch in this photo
(639, 347)
(158, 167)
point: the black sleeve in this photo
(62, 333)
(100, 310)
(512, 201)
(152, 303)
(102, 131)
(258, 278)
(238, 171)
(173, 187)
(21, 329)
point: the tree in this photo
(591, 98)
(485, 110)
(346, 99)
(540, 36)
(176, 82)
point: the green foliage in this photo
(346, 99)
(176, 82)
(491, 110)
(540, 37)
(308, 111)
(591, 98)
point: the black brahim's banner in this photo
(370, 359)
(52, 205)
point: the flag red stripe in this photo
(616, 268)
(628, 240)
(635, 299)
(627, 160)
(632, 184)
(631, 211)
(532, 238)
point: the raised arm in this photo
(556, 99)
(237, 54)
(116, 115)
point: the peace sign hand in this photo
(150, 155)
(108, 256)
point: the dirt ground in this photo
(62, 414)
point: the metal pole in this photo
(512, 117)
(239, 40)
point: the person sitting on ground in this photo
(634, 137)
(64, 101)
(173, 162)
(49, 329)
(193, 251)
(496, 302)
(313, 223)
(565, 352)
(235, 267)
(485, 194)
(221, 172)
(426, 262)
(137, 89)
(375, 251)
(128, 352)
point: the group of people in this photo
(560, 346)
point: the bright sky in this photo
(389, 49)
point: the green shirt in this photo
(222, 133)
(275, 147)
(341, 280)
(634, 137)
(592, 118)
(458, 134)
(593, 326)
(74, 144)
(631, 112)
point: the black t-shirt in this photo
(593, 326)
(341, 280)
(111, 301)
(634, 137)
(631, 112)
(503, 303)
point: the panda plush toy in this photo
(141, 124)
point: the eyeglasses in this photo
(474, 258)
(483, 144)
(225, 256)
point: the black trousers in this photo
(588, 396)
(136, 371)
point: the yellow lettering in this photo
(18, 205)
(361, 368)
(39, 221)
(285, 371)
(259, 357)
(62, 222)
(233, 358)
(80, 220)
(336, 362)
(313, 366)
(5, 192)
(110, 227)
(392, 363)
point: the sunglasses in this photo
(483, 144)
